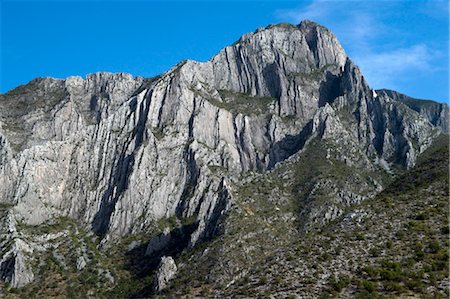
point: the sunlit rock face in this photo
(118, 152)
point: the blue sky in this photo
(401, 45)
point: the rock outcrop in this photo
(435, 113)
(167, 269)
(15, 268)
(118, 152)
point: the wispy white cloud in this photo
(361, 29)
(387, 68)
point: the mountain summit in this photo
(112, 180)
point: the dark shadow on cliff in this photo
(330, 89)
(289, 145)
(175, 243)
(142, 265)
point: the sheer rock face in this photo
(435, 113)
(120, 152)
(282, 61)
(14, 265)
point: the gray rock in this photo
(134, 244)
(14, 266)
(167, 270)
(81, 263)
(118, 152)
(436, 113)
(109, 277)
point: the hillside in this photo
(272, 168)
(394, 244)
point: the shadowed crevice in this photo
(330, 89)
(289, 145)
(193, 173)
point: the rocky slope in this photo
(394, 245)
(163, 159)
(435, 113)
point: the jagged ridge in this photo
(118, 153)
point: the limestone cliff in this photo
(435, 113)
(118, 152)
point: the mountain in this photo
(119, 186)
(394, 244)
(435, 113)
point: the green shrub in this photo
(414, 285)
(421, 216)
(437, 265)
(389, 244)
(337, 284)
(263, 280)
(360, 236)
(369, 286)
(375, 251)
(400, 234)
(419, 255)
(390, 271)
(324, 257)
(371, 271)
(158, 132)
(434, 246)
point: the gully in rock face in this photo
(274, 139)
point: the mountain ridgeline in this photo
(115, 182)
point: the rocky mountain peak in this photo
(287, 39)
(165, 156)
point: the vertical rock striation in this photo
(119, 152)
(435, 113)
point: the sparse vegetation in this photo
(398, 248)
(158, 133)
(237, 102)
